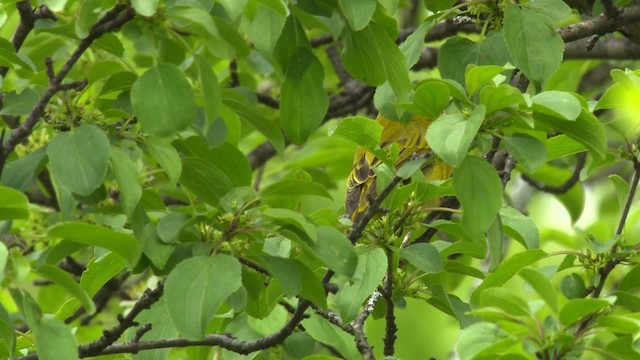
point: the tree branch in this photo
(567, 185)
(390, 317)
(113, 20)
(600, 25)
(358, 327)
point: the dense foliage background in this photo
(173, 177)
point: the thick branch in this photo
(600, 25)
(358, 327)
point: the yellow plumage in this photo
(411, 140)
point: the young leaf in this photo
(210, 90)
(196, 288)
(7, 331)
(163, 100)
(495, 240)
(304, 100)
(294, 187)
(79, 158)
(452, 134)
(324, 332)
(479, 190)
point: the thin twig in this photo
(567, 185)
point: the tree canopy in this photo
(173, 176)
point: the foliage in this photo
(173, 176)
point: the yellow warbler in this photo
(411, 140)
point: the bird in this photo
(410, 138)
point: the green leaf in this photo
(88, 13)
(304, 101)
(327, 333)
(622, 189)
(500, 97)
(294, 187)
(14, 205)
(423, 256)
(456, 53)
(163, 100)
(631, 281)
(495, 240)
(507, 270)
(197, 175)
(65, 280)
(248, 112)
(556, 10)
(210, 90)
(358, 12)
(477, 338)
(477, 76)
(166, 155)
(286, 273)
(79, 158)
(520, 227)
(19, 104)
(576, 309)
(336, 251)
(198, 17)
(372, 266)
(7, 331)
(54, 340)
(479, 190)
(9, 57)
(126, 173)
(451, 135)
(290, 217)
(94, 235)
(145, 7)
(361, 131)
(432, 98)
(196, 288)
(558, 104)
(293, 38)
(97, 274)
(372, 57)
(170, 226)
(586, 129)
(529, 34)
(528, 150)
(263, 25)
(542, 286)
(562, 145)
(505, 300)
(226, 157)
(19, 174)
